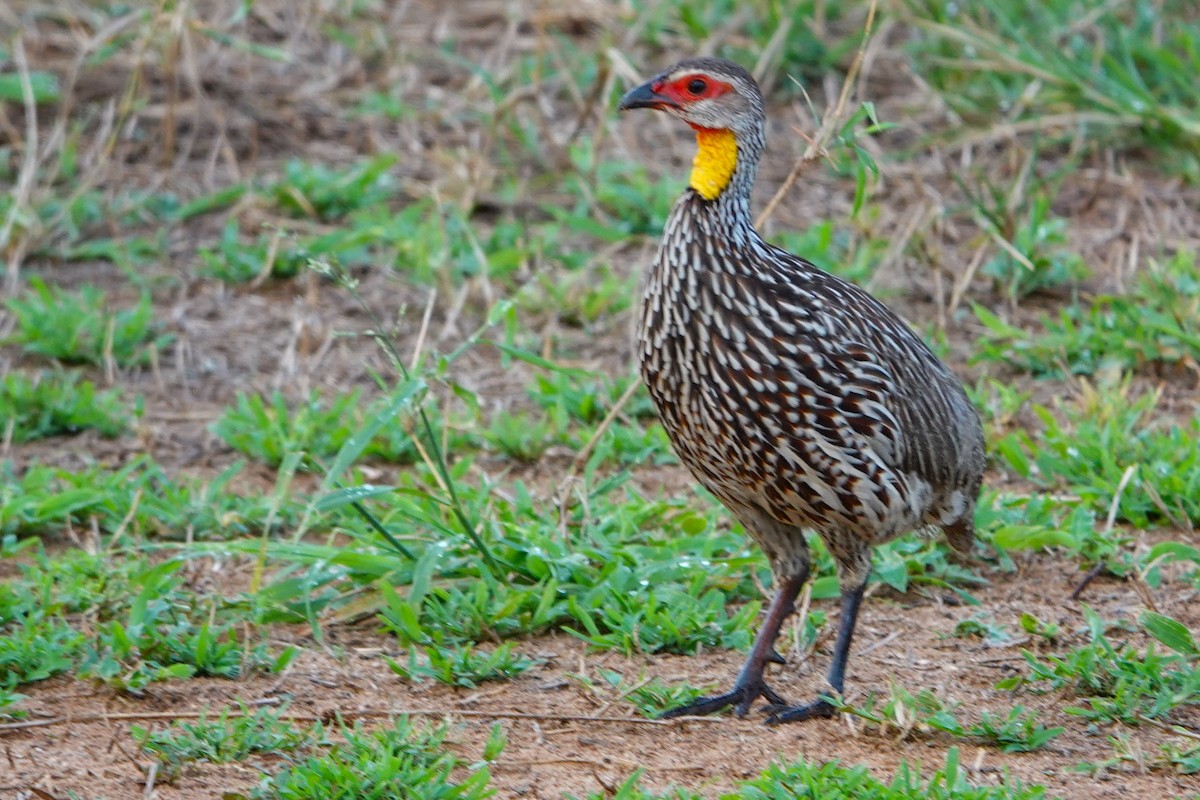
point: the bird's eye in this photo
(697, 85)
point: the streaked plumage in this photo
(795, 397)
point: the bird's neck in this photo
(724, 168)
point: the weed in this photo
(233, 735)
(650, 697)
(34, 648)
(523, 436)
(139, 495)
(983, 627)
(314, 190)
(56, 403)
(1179, 755)
(404, 760)
(1119, 72)
(1018, 732)
(1033, 254)
(269, 430)
(1156, 323)
(78, 327)
(462, 665)
(833, 781)
(1119, 683)
(1104, 449)
(234, 260)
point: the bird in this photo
(796, 398)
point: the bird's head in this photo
(720, 100)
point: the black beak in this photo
(644, 96)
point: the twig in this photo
(581, 458)
(84, 719)
(1108, 526)
(816, 145)
(25, 178)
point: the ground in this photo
(479, 105)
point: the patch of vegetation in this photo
(651, 697)
(1033, 252)
(404, 760)
(269, 430)
(833, 781)
(1157, 322)
(119, 620)
(233, 735)
(1118, 74)
(138, 496)
(78, 327)
(327, 194)
(55, 403)
(1116, 682)
(903, 714)
(462, 665)
(1105, 449)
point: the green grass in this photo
(79, 327)
(1107, 448)
(235, 734)
(1109, 73)
(834, 781)
(1117, 682)
(1155, 324)
(55, 403)
(404, 760)
(123, 622)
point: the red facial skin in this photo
(679, 92)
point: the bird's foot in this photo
(744, 693)
(784, 713)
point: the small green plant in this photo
(403, 761)
(233, 735)
(1044, 631)
(268, 430)
(982, 626)
(462, 665)
(56, 403)
(524, 437)
(34, 647)
(1105, 447)
(1157, 322)
(904, 714)
(1033, 252)
(833, 781)
(234, 259)
(326, 194)
(660, 620)
(157, 641)
(1119, 683)
(654, 697)
(79, 328)
(1018, 732)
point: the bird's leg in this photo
(750, 684)
(851, 600)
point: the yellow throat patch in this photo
(714, 163)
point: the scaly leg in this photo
(750, 684)
(851, 600)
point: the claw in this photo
(817, 708)
(774, 658)
(743, 694)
